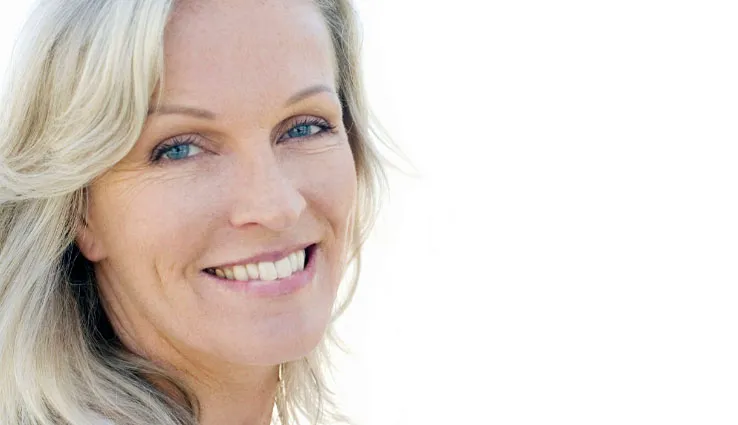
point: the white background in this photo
(567, 252)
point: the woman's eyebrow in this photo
(183, 110)
(206, 114)
(310, 91)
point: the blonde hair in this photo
(82, 77)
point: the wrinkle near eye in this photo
(337, 143)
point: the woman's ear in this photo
(89, 242)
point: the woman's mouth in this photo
(285, 267)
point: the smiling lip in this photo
(274, 288)
(272, 256)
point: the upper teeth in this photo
(265, 270)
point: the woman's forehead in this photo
(231, 51)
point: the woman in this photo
(184, 185)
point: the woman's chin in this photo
(271, 354)
(288, 344)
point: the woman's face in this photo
(244, 163)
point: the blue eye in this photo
(303, 130)
(176, 151)
(308, 128)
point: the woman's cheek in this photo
(329, 182)
(155, 208)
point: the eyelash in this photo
(325, 128)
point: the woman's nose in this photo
(265, 196)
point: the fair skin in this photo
(256, 169)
